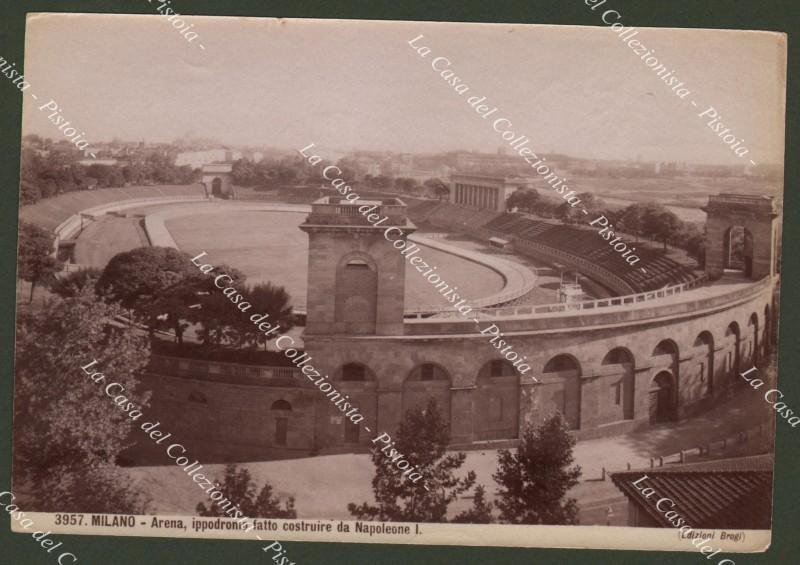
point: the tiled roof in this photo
(731, 493)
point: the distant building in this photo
(483, 192)
(218, 180)
(197, 159)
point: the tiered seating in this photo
(585, 243)
(419, 210)
(455, 217)
(50, 212)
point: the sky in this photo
(348, 85)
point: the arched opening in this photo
(621, 403)
(357, 293)
(356, 387)
(737, 253)
(704, 343)
(732, 351)
(662, 395)
(753, 354)
(216, 187)
(497, 401)
(424, 382)
(281, 410)
(665, 355)
(567, 397)
(354, 372)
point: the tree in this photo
(68, 433)
(29, 193)
(534, 480)
(570, 214)
(213, 310)
(239, 487)
(693, 240)
(439, 188)
(157, 283)
(524, 199)
(481, 511)
(633, 219)
(36, 263)
(71, 284)
(266, 298)
(661, 223)
(422, 438)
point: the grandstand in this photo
(51, 212)
(581, 243)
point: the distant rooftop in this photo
(218, 167)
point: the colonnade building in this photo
(483, 192)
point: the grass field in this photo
(269, 246)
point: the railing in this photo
(533, 310)
(72, 224)
(203, 369)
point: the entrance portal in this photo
(216, 188)
(662, 404)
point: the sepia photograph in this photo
(398, 282)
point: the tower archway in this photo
(356, 298)
(741, 235)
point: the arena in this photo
(636, 350)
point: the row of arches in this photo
(620, 388)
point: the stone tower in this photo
(756, 216)
(356, 277)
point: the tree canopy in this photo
(238, 486)
(422, 438)
(68, 433)
(534, 480)
(35, 260)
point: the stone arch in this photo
(356, 295)
(567, 398)
(753, 353)
(281, 409)
(357, 384)
(355, 372)
(754, 217)
(662, 397)
(216, 187)
(425, 381)
(704, 346)
(497, 401)
(281, 405)
(733, 338)
(623, 364)
(737, 252)
(666, 356)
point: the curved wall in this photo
(599, 369)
